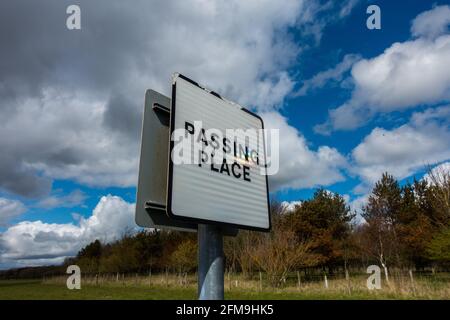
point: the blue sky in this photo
(350, 102)
(349, 36)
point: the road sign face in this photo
(153, 167)
(227, 185)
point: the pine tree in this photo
(325, 220)
(381, 214)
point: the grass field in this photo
(172, 287)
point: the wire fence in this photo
(400, 281)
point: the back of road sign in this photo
(152, 183)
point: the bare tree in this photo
(439, 180)
(246, 244)
(279, 253)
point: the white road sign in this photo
(217, 171)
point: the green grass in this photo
(37, 290)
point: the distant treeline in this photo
(405, 227)
(32, 272)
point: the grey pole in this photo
(210, 263)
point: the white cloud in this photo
(73, 199)
(74, 110)
(74, 103)
(38, 243)
(61, 136)
(238, 48)
(318, 14)
(301, 167)
(425, 140)
(10, 209)
(431, 23)
(406, 75)
(289, 206)
(439, 174)
(346, 198)
(347, 8)
(334, 74)
(356, 206)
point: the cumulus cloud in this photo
(404, 76)
(299, 166)
(424, 140)
(37, 243)
(60, 135)
(431, 23)
(71, 101)
(10, 209)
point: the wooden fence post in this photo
(412, 281)
(260, 281)
(150, 277)
(347, 278)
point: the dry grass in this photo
(400, 286)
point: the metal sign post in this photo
(210, 263)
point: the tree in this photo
(240, 249)
(325, 221)
(92, 250)
(123, 256)
(88, 258)
(149, 248)
(439, 179)
(381, 215)
(279, 252)
(413, 226)
(185, 256)
(439, 247)
(244, 246)
(171, 241)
